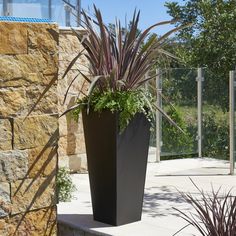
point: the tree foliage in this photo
(210, 42)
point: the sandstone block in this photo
(12, 102)
(13, 165)
(5, 135)
(78, 163)
(48, 103)
(29, 194)
(76, 144)
(62, 147)
(68, 125)
(69, 102)
(71, 144)
(81, 62)
(63, 161)
(5, 202)
(26, 69)
(43, 44)
(43, 37)
(34, 131)
(68, 43)
(36, 223)
(39, 78)
(13, 38)
(10, 70)
(39, 61)
(79, 84)
(42, 161)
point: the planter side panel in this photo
(100, 138)
(132, 153)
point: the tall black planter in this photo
(117, 166)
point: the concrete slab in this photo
(163, 182)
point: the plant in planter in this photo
(116, 114)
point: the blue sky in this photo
(152, 11)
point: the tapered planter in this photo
(117, 166)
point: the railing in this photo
(232, 87)
(199, 111)
(167, 91)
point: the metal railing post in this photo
(199, 80)
(78, 10)
(158, 115)
(231, 120)
(50, 9)
(6, 7)
(67, 14)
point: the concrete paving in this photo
(163, 181)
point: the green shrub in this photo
(65, 186)
(174, 140)
(216, 135)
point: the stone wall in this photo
(71, 143)
(28, 144)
